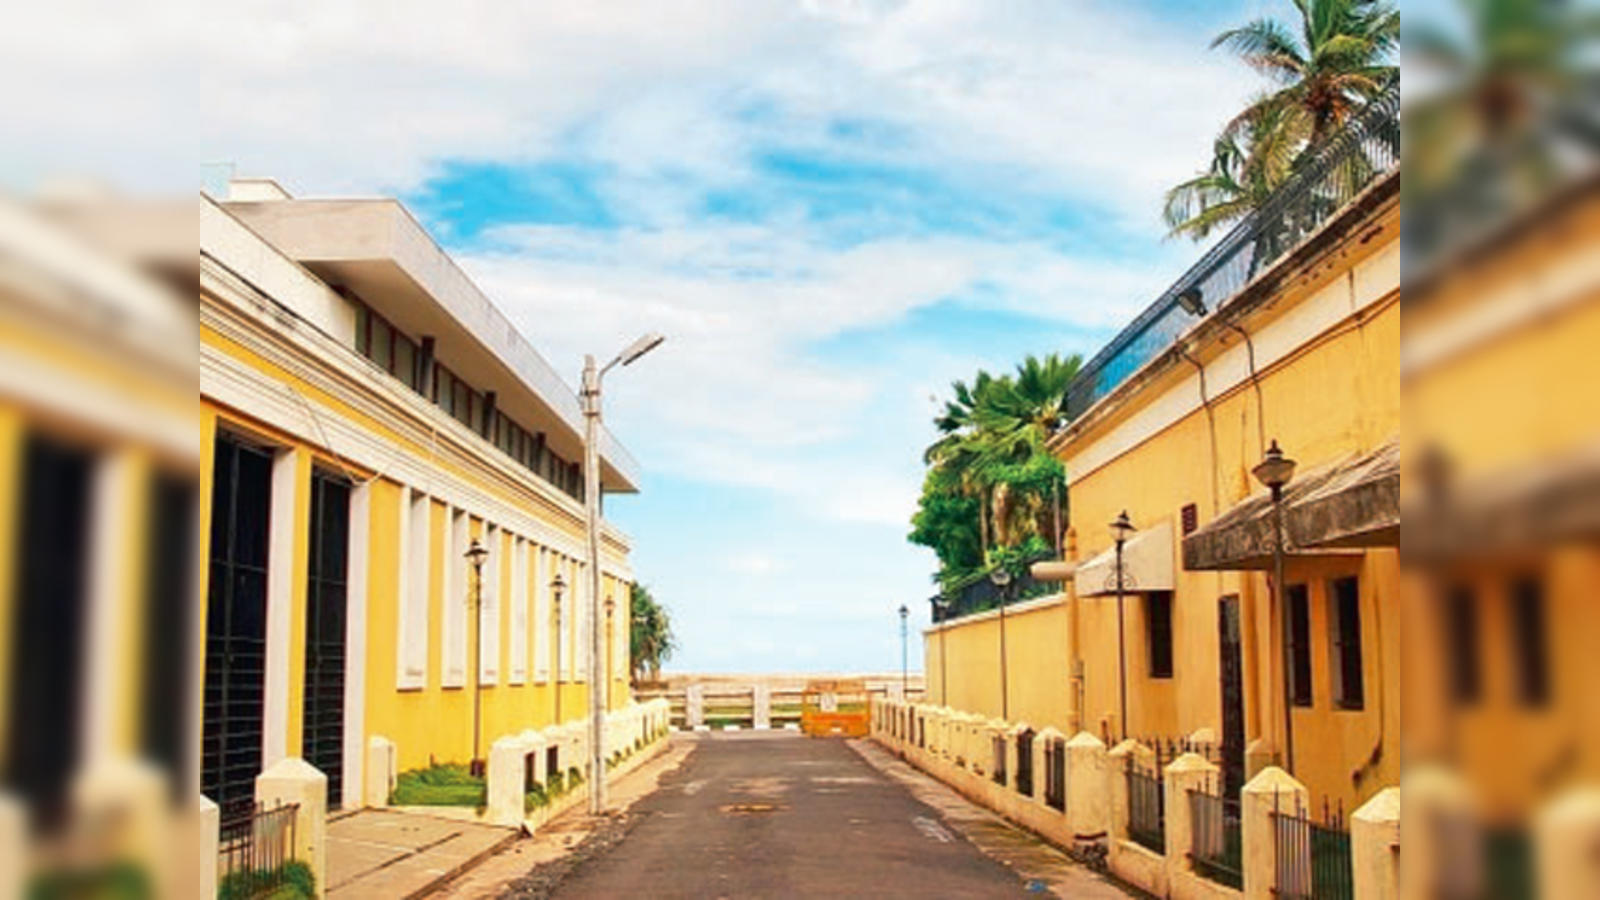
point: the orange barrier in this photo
(835, 708)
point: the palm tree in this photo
(650, 637)
(1335, 59)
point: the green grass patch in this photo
(118, 881)
(535, 798)
(448, 784)
(294, 880)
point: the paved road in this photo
(758, 814)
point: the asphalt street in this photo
(759, 814)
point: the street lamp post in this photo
(592, 378)
(1001, 577)
(611, 606)
(905, 678)
(476, 553)
(1274, 471)
(557, 586)
(1121, 528)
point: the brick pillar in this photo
(1565, 835)
(380, 774)
(293, 780)
(1088, 812)
(1272, 790)
(1191, 770)
(1375, 847)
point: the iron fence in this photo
(1025, 762)
(1313, 857)
(1055, 773)
(253, 847)
(978, 593)
(1331, 176)
(1167, 749)
(1147, 808)
(1218, 850)
(1001, 748)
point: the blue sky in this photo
(831, 207)
(830, 233)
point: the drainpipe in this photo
(1255, 381)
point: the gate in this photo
(236, 625)
(326, 602)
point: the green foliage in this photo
(535, 798)
(991, 482)
(294, 879)
(555, 785)
(1324, 67)
(574, 777)
(650, 637)
(447, 784)
(117, 881)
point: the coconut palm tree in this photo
(650, 637)
(1327, 65)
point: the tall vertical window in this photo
(1528, 631)
(1461, 631)
(1344, 633)
(1158, 632)
(1298, 601)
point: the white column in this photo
(280, 603)
(355, 641)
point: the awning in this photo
(1351, 503)
(1147, 565)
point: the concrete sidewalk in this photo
(383, 853)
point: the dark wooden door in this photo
(1231, 670)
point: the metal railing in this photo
(1217, 847)
(1002, 748)
(1329, 177)
(1055, 773)
(1147, 808)
(253, 847)
(1025, 762)
(978, 594)
(1313, 857)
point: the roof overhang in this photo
(1147, 565)
(1351, 504)
(379, 251)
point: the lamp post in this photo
(592, 378)
(557, 586)
(1001, 577)
(905, 678)
(476, 554)
(941, 608)
(1121, 528)
(1274, 471)
(611, 606)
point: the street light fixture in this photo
(1274, 471)
(1000, 576)
(905, 678)
(557, 586)
(592, 378)
(475, 555)
(1121, 530)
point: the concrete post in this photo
(14, 849)
(208, 821)
(123, 803)
(1258, 754)
(380, 774)
(694, 702)
(1088, 817)
(1272, 790)
(1375, 847)
(763, 707)
(507, 769)
(293, 780)
(1565, 835)
(1189, 771)
(1443, 844)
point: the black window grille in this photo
(1528, 632)
(1344, 624)
(1158, 632)
(1299, 612)
(1461, 627)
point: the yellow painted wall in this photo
(1335, 396)
(1036, 676)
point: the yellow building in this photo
(1503, 523)
(367, 415)
(1287, 331)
